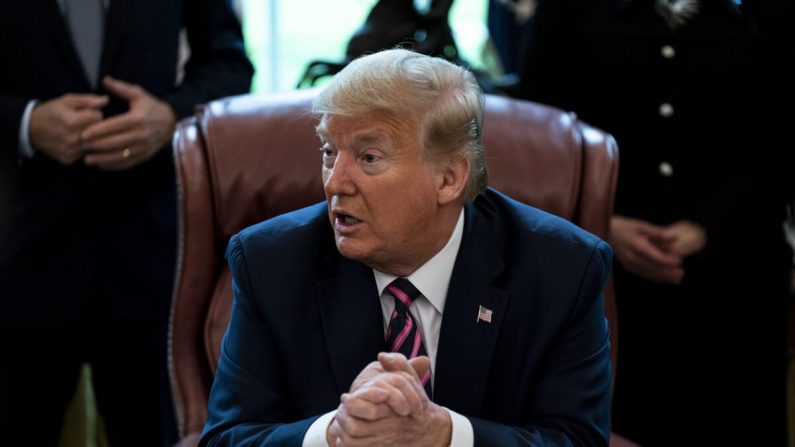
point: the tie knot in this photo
(403, 290)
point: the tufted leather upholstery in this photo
(244, 159)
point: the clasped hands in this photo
(71, 127)
(387, 406)
(655, 252)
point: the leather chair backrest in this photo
(244, 159)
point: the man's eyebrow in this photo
(320, 130)
(366, 137)
(370, 137)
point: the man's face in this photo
(382, 194)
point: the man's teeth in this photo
(348, 220)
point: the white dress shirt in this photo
(432, 279)
(25, 148)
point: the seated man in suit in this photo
(496, 305)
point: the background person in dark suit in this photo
(88, 100)
(510, 308)
(690, 89)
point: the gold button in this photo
(666, 169)
(668, 51)
(666, 110)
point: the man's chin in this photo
(351, 249)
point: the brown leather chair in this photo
(244, 159)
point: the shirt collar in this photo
(432, 279)
(62, 5)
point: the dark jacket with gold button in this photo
(698, 115)
(695, 109)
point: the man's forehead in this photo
(356, 130)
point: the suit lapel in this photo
(116, 23)
(56, 28)
(466, 345)
(352, 321)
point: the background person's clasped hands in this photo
(655, 252)
(72, 127)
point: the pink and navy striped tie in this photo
(403, 334)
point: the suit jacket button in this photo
(666, 110)
(665, 168)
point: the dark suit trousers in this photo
(39, 372)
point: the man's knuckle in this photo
(349, 425)
(397, 380)
(135, 119)
(141, 134)
(69, 120)
(370, 413)
(72, 140)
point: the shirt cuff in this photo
(462, 433)
(316, 435)
(25, 148)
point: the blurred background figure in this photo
(88, 104)
(508, 22)
(392, 23)
(691, 90)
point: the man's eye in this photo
(369, 158)
(328, 157)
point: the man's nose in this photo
(337, 179)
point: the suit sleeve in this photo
(572, 404)
(247, 405)
(11, 110)
(218, 65)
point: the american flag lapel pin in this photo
(484, 314)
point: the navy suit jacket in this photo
(306, 321)
(70, 233)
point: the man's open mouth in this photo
(346, 219)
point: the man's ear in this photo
(453, 180)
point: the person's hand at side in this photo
(363, 420)
(684, 238)
(56, 125)
(126, 140)
(641, 247)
